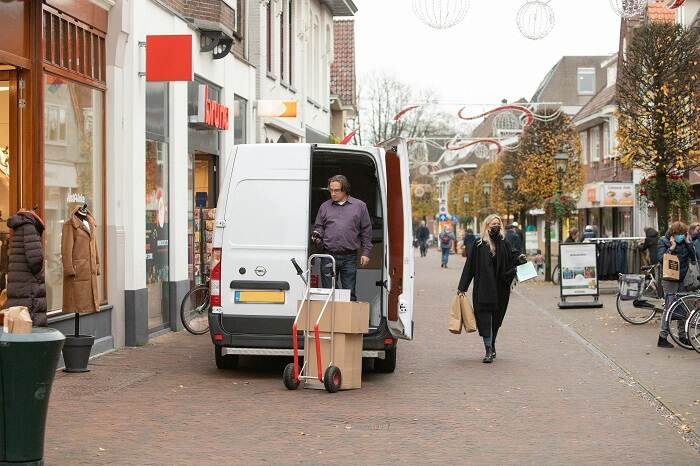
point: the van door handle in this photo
(381, 283)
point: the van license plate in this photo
(259, 297)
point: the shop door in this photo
(9, 157)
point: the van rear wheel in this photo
(228, 361)
(388, 364)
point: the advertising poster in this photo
(579, 274)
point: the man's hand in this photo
(364, 260)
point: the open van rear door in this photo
(400, 234)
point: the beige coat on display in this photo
(81, 265)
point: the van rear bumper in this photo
(273, 332)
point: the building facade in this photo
(292, 50)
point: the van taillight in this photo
(215, 278)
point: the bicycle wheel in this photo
(638, 311)
(694, 330)
(678, 316)
(556, 275)
(194, 310)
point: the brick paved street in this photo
(548, 399)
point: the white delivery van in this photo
(268, 203)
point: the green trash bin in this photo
(27, 367)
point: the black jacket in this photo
(651, 243)
(422, 233)
(25, 278)
(492, 278)
(513, 238)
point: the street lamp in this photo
(561, 162)
(508, 181)
(487, 190)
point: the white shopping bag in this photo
(526, 272)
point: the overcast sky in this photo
(485, 58)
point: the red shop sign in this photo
(209, 112)
(169, 58)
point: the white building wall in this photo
(130, 22)
(312, 53)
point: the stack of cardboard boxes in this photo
(350, 324)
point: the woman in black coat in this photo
(491, 264)
(25, 277)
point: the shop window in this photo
(240, 120)
(73, 160)
(157, 244)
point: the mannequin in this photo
(81, 264)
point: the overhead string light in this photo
(441, 14)
(536, 19)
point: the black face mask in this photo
(495, 231)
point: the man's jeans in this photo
(346, 273)
(670, 290)
(445, 255)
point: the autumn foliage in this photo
(659, 107)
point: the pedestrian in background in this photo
(491, 265)
(694, 232)
(513, 237)
(446, 239)
(573, 236)
(677, 242)
(521, 234)
(539, 261)
(588, 233)
(469, 239)
(422, 235)
(650, 245)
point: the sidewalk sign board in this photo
(578, 271)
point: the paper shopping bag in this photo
(468, 319)
(671, 268)
(455, 322)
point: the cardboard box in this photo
(17, 320)
(321, 294)
(347, 357)
(350, 317)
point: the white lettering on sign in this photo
(75, 198)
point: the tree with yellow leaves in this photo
(537, 179)
(424, 202)
(659, 107)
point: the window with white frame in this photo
(595, 144)
(585, 78)
(583, 135)
(605, 145)
(613, 137)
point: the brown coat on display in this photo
(25, 278)
(81, 266)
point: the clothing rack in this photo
(617, 255)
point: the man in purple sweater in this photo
(343, 228)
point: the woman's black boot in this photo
(488, 358)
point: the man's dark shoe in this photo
(488, 358)
(685, 341)
(493, 351)
(663, 343)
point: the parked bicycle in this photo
(556, 275)
(682, 312)
(640, 297)
(194, 309)
(694, 330)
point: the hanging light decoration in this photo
(673, 4)
(629, 8)
(419, 192)
(506, 122)
(536, 19)
(450, 159)
(424, 169)
(482, 151)
(441, 14)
